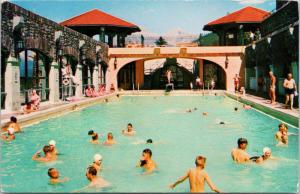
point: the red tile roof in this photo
(247, 14)
(96, 17)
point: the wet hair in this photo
(199, 158)
(241, 141)
(46, 149)
(235, 108)
(222, 123)
(13, 119)
(28, 103)
(50, 172)
(282, 125)
(92, 170)
(129, 124)
(147, 150)
(149, 141)
(118, 95)
(91, 132)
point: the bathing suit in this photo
(95, 137)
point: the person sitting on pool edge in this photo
(94, 136)
(282, 134)
(110, 139)
(130, 131)
(197, 177)
(10, 135)
(54, 176)
(97, 162)
(267, 154)
(48, 156)
(239, 154)
(146, 162)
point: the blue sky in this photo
(158, 16)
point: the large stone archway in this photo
(230, 59)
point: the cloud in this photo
(247, 2)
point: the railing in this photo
(67, 91)
(284, 16)
(42, 92)
(3, 97)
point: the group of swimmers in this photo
(197, 176)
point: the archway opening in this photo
(4, 57)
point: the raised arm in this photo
(210, 184)
(180, 180)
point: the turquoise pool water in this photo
(179, 138)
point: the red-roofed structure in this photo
(245, 20)
(97, 22)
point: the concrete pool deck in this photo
(53, 110)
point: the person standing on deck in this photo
(169, 75)
(290, 87)
(272, 87)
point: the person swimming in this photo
(94, 136)
(146, 162)
(267, 154)
(239, 154)
(129, 131)
(110, 139)
(149, 141)
(52, 144)
(236, 109)
(282, 134)
(48, 156)
(205, 113)
(97, 164)
(54, 176)
(222, 123)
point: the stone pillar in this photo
(78, 76)
(111, 40)
(54, 83)
(89, 75)
(118, 40)
(201, 69)
(96, 77)
(42, 83)
(139, 73)
(111, 76)
(12, 84)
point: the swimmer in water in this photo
(94, 136)
(54, 176)
(236, 109)
(110, 139)
(239, 154)
(188, 111)
(48, 156)
(267, 154)
(10, 135)
(52, 144)
(97, 162)
(95, 181)
(197, 177)
(222, 123)
(282, 134)
(149, 141)
(14, 124)
(129, 131)
(205, 113)
(146, 162)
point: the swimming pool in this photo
(178, 138)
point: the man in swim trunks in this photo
(236, 80)
(282, 134)
(130, 131)
(97, 162)
(94, 136)
(95, 181)
(48, 156)
(54, 176)
(239, 154)
(146, 161)
(197, 177)
(272, 87)
(290, 87)
(266, 155)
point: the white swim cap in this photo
(97, 157)
(266, 149)
(11, 130)
(52, 142)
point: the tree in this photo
(161, 41)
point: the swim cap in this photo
(52, 142)
(97, 157)
(11, 131)
(149, 141)
(266, 149)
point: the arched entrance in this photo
(126, 76)
(212, 71)
(4, 57)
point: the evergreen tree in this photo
(161, 41)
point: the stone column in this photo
(54, 82)
(111, 40)
(42, 83)
(96, 77)
(12, 84)
(118, 40)
(78, 76)
(139, 73)
(89, 75)
(201, 69)
(111, 76)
